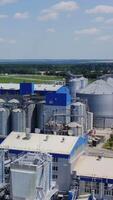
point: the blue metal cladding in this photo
(70, 195)
(63, 89)
(11, 91)
(96, 179)
(26, 88)
(58, 99)
(79, 145)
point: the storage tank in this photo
(74, 86)
(84, 82)
(99, 96)
(110, 81)
(40, 115)
(18, 120)
(4, 121)
(31, 116)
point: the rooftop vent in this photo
(63, 139)
(46, 138)
(27, 134)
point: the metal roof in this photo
(55, 144)
(37, 87)
(13, 101)
(97, 87)
(91, 166)
(110, 81)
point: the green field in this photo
(29, 78)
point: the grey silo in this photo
(4, 121)
(84, 82)
(40, 115)
(18, 120)
(74, 86)
(99, 96)
(31, 116)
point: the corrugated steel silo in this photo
(74, 85)
(40, 115)
(31, 116)
(18, 120)
(99, 96)
(84, 82)
(4, 121)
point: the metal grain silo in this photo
(99, 96)
(74, 86)
(4, 121)
(18, 120)
(40, 115)
(110, 81)
(31, 116)
(84, 82)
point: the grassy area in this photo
(109, 143)
(29, 78)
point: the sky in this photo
(56, 29)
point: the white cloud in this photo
(2, 16)
(87, 31)
(2, 40)
(99, 19)
(109, 21)
(101, 9)
(12, 41)
(53, 12)
(20, 15)
(48, 16)
(105, 38)
(51, 30)
(3, 2)
(7, 41)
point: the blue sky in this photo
(63, 29)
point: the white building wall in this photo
(63, 173)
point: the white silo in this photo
(74, 86)
(4, 121)
(18, 120)
(31, 177)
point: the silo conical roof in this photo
(13, 101)
(110, 81)
(98, 87)
(2, 101)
